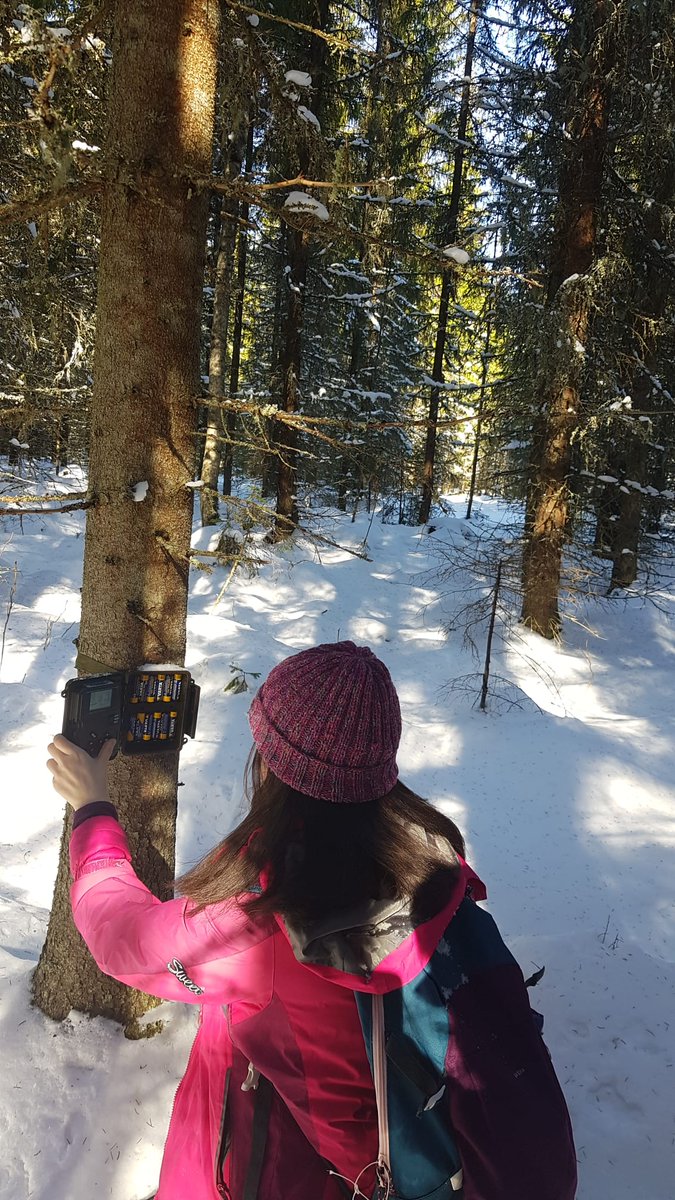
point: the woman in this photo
(364, 1031)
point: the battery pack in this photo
(151, 711)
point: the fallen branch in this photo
(292, 525)
(88, 502)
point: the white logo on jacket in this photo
(176, 968)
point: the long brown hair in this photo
(319, 858)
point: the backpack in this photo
(469, 1106)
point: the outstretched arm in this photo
(162, 948)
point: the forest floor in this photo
(567, 800)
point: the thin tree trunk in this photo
(448, 279)
(234, 140)
(479, 415)
(488, 649)
(286, 438)
(605, 505)
(238, 326)
(268, 474)
(651, 305)
(376, 166)
(146, 373)
(574, 248)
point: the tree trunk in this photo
(146, 372)
(485, 364)
(448, 281)
(291, 358)
(651, 306)
(268, 473)
(605, 514)
(286, 438)
(234, 138)
(238, 326)
(568, 327)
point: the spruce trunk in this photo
(291, 358)
(146, 372)
(238, 326)
(235, 121)
(448, 284)
(285, 437)
(568, 326)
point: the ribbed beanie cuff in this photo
(327, 722)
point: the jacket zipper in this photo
(223, 1144)
(380, 1081)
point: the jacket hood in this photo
(378, 946)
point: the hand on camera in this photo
(77, 776)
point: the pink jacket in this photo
(298, 1025)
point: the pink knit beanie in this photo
(327, 722)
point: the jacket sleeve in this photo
(160, 947)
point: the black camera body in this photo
(152, 710)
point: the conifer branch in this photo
(233, 187)
(32, 206)
(333, 39)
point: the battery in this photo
(136, 727)
(140, 688)
(176, 686)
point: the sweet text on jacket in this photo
(176, 968)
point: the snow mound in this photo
(457, 254)
(299, 78)
(302, 202)
(307, 115)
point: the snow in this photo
(19, 445)
(299, 78)
(80, 145)
(457, 254)
(302, 202)
(254, 20)
(140, 490)
(309, 117)
(567, 810)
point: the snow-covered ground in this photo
(569, 814)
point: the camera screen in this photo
(100, 699)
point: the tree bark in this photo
(448, 279)
(568, 325)
(146, 372)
